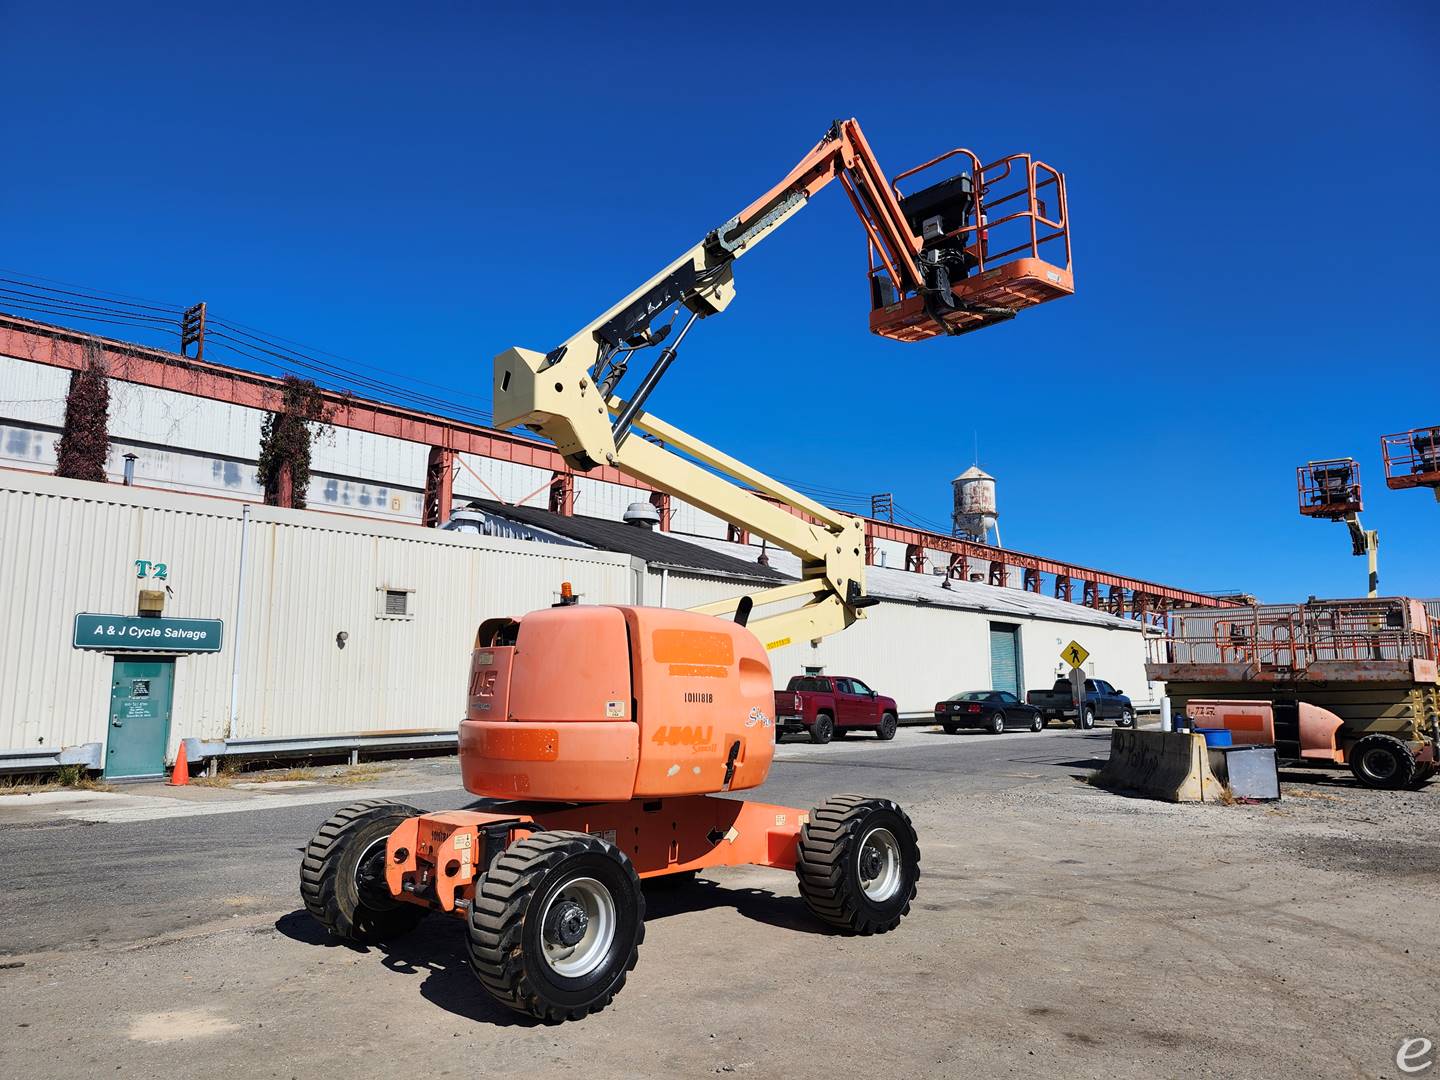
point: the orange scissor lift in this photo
(607, 739)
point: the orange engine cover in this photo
(600, 704)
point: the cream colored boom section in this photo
(556, 395)
(558, 399)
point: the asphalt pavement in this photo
(80, 882)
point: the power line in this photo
(25, 296)
(91, 296)
(93, 292)
(276, 338)
(82, 316)
(32, 295)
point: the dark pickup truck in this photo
(833, 705)
(1102, 702)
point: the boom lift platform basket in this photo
(1412, 459)
(1329, 489)
(1012, 261)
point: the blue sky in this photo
(1251, 191)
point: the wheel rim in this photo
(370, 874)
(1379, 764)
(577, 927)
(880, 865)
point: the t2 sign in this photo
(146, 569)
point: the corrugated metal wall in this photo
(919, 654)
(71, 547)
(196, 445)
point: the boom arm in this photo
(569, 394)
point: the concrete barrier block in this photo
(1170, 765)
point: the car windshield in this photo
(970, 695)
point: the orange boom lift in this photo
(609, 736)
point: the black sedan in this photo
(989, 710)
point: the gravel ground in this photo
(1059, 929)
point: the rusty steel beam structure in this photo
(962, 552)
(65, 348)
(60, 347)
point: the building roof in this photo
(661, 550)
(708, 556)
(906, 586)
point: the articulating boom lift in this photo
(606, 732)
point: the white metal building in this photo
(340, 631)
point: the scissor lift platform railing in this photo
(1382, 640)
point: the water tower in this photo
(1412, 459)
(1330, 490)
(975, 515)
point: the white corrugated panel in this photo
(72, 548)
(32, 392)
(598, 499)
(308, 583)
(490, 478)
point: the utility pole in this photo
(192, 330)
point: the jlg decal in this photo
(482, 683)
(682, 735)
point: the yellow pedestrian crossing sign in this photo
(1074, 654)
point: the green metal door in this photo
(1005, 658)
(140, 694)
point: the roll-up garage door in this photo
(1005, 658)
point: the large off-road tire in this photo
(1086, 720)
(995, 723)
(342, 874)
(1127, 717)
(888, 724)
(1382, 761)
(1423, 773)
(822, 729)
(556, 925)
(858, 864)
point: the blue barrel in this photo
(1215, 736)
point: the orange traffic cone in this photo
(180, 774)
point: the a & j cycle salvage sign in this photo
(112, 632)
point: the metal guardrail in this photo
(197, 750)
(42, 758)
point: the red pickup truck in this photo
(833, 705)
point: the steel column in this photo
(436, 507)
(562, 493)
(661, 501)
